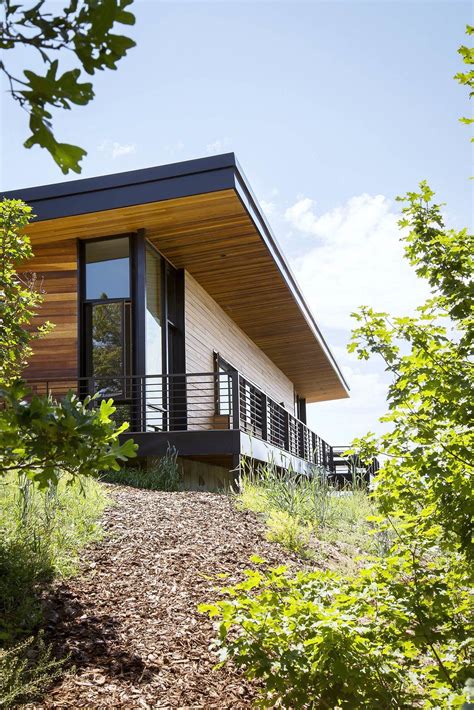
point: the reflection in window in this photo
(107, 269)
(153, 342)
(224, 385)
(111, 325)
(153, 313)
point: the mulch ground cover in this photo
(130, 622)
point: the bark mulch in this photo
(130, 619)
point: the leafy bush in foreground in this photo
(380, 639)
(397, 633)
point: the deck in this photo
(212, 416)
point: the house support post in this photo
(138, 393)
(236, 473)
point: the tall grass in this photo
(307, 514)
(160, 474)
(41, 535)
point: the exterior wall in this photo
(55, 265)
(209, 328)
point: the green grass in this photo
(161, 474)
(41, 536)
(309, 516)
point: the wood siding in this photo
(209, 328)
(55, 265)
(215, 239)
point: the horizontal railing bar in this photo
(164, 401)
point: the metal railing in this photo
(262, 417)
(203, 401)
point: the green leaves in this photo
(467, 78)
(318, 639)
(20, 294)
(42, 438)
(397, 633)
(84, 28)
(430, 406)
(39, 436)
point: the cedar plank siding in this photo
(55, 355)
(209, 328)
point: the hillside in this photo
(130, 620)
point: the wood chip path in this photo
(130, 620)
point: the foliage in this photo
(83, 32)
(39, 436)
(161, 474)
(289, 531)
(42, 533)
(300, 509)
(26, 671)
(396, 633)
(319, 639)
(41, 536)
(20, 294)
(42, 438)
(428, 471)
(467, 78)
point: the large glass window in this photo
(110, 345)
(115, 347)
(107, 269)
(107, 315)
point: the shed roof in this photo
(202, 215)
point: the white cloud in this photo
(115, 149)
(218, 146)
(343, 258)
(268, 207)
(118, 150)
(355, 258)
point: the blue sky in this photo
(333, 109)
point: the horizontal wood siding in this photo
(209, 328)
(55, 265)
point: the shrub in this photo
(27, 669)
(320, 639)
(396, 634)
(289, 531)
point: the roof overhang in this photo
(202, 215)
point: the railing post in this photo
(300, 446)
(314, 455)
(264, 416)
(331, 460)
(286, 430)
(235, 400)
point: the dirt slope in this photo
(130, 620)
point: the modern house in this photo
(169, 293)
